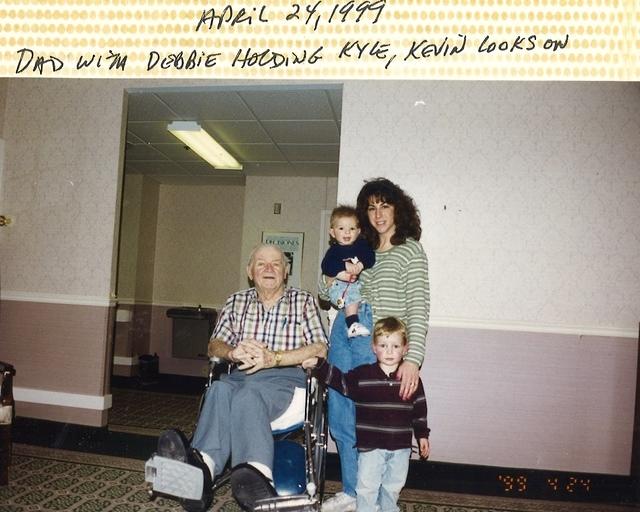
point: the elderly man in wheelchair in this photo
(266, 332)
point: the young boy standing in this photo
(344, 260)
(384, 422)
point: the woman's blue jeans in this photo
(347, 353)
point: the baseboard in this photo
(63, 399)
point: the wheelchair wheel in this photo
(320, 428)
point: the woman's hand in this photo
(353, 268)
(408, 373)
(346, 277)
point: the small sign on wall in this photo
(291, 244)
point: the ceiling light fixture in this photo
(192, 134)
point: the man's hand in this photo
(310, 363)
(238, 354)
(425, 447)
(255, 356)
(408, 373)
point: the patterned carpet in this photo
(44, 479)
(151, 413)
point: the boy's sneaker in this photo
(357, 329)
(341, 502)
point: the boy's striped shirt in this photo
(383, 419)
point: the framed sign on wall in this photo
(291, 244)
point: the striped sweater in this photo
(383, 419)
(398, 285)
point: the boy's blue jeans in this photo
(381, 476)
(347, 353)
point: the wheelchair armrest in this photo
(315, 392)
(217, 367)
(312, 381)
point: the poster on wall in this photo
(291, 244)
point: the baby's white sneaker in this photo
(357, 329)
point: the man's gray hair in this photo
(262, 246)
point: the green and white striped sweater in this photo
(398, 285)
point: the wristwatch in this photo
(278, 357)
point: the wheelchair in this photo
(300, 446)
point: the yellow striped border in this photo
(322, 39)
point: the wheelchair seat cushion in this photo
(294, 415)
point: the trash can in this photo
(148, 368)
(7, 413)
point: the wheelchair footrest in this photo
(298, 503)
(174, 478)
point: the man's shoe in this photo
(357, 329)
(248, 485)
(341, 502)
(174, 445)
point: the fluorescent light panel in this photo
(192, 134)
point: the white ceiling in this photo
(271, 130)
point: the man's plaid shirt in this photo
(294, 321)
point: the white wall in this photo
(60, 182)
(530, 199)
(541, 184)
(198, 244)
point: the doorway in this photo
(187, 229)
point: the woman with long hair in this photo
(397, 285)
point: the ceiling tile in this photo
(293, 104)
(135, 152)
(133, 139)
(152, 132)
(236, 131)
(303, 132)
(255, 152)
(147, 107)
(178, 152)
(295, 130)
(210, 105)
(311, 153)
